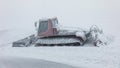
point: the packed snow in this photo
(18, 62)
(86, 56)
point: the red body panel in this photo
(48, 32)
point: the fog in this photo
(77, 13)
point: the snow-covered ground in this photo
(18, 62)
(81, 56)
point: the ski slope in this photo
(18, 62)
(81, 57)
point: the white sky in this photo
(80, 13)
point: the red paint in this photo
(49, 31)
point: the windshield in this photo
(43, 26)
